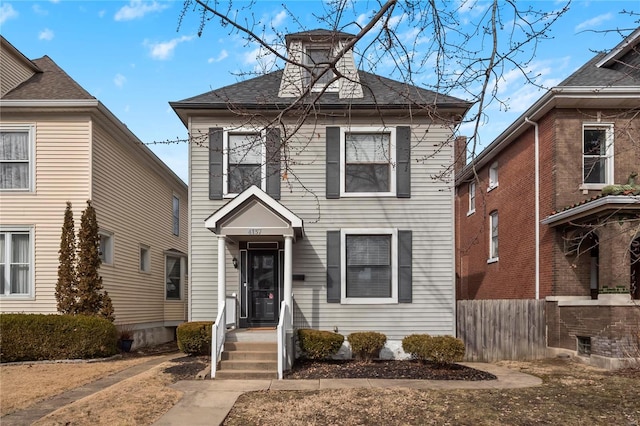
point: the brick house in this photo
(542, 212)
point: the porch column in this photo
(222, 271)
(288, 272)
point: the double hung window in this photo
(472, 198)
(16, 158)
(317, 60)
(15, 263)
(597, 154)
(493, 240)
(173, 277)
(245, 161)
(369, 157)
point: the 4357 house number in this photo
(254, 231)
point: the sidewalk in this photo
(41, 409)
(207, 402)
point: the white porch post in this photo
(222, 271)
(288, 272)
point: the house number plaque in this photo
(254, 231)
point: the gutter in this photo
(610, 201)
(537, 202)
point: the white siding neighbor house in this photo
(322, 196)
(58, 143)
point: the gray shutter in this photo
(215, 163)
(273, 163)
(333, 162)
(404, 267)
(333, 266)
(403, 162)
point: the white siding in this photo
(428, 213)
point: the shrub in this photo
(438, 349)
(367, 345)
(194, 338)
(318, 344)
(34, 337)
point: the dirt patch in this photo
(572, 394)
(383, 369)
(187, 367)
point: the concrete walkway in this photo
(207, 402)
(41, 409)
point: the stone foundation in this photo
(152, 335)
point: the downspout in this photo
(537, 203)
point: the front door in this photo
(263, 287)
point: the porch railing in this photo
(218, 333)
(285, 346)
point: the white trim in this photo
(343, 266)
(144, 258)
(182, 259)
(253, 191)
(225, 157)
(472, 200)
(30, 229)
(493, 258)
(608, 155)
(392, 161)
(110, 259)
(493, 173)
(31, 131)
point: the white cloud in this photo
(102, 13)
(163, 51)
(7, 12)
(137, 9)
(279, 19)
(46, 34)
(223, 54)
(38, 10)
(362, 20)
(119, 80)
(594, 22)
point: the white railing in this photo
(285, 327)
(218, 333)
(231, 310)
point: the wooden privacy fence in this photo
(494, 330)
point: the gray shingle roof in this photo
(623, 73)
(51, 83)
(262, 92)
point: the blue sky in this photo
(132, 57)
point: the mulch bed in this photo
(383, 369)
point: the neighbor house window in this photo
(173, 277)
(145, 259)
(493, 240)
(472, 198)
(317, 60)
(106, 247)
(245, 161)
(584, 345)
(493, 176)
(597, 154)
(369, 266)
(16, 158)
(15, 262)
(368, 159)
(176, 215)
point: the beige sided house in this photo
(338, 220)
(61, 144)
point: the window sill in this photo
(8, 297)
(491, 188)
(493, 260)
(173, 300)
(592, 186)
(370, 301)
(470, 212)
(367, 194)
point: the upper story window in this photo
(368, 156)
(16, 265)
(493, 176)
(597, 154)
(472, 198)
(317, 60)
(244, 161)
(16, 158)
(176, 215)
(106, 247)
(493, 239)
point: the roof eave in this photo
(622, 202)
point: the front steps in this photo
(249, 355)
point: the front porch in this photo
(258, 233)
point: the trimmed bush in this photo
(319, 344)
(36, 337)
(194, 338)
(438, 349)
(367, 345)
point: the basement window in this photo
(584, 346)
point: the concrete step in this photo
(250, 346)
(249, 365)
(245, 375)
(250, 355)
